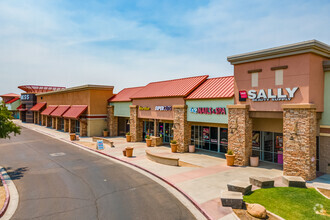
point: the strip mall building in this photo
(282, 107)
(276, 106)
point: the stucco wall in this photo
(121, 108)
(208, 103)
(304, 71)
(96, 126)
(326, 114)
(13, 106)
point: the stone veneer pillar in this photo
(35, 117)
(181, 134)
(83, 127)
(54, 122)
(66, 125)
(299, 140)
(136, 124)
(240, 133)
(112, 121)
(72, 126)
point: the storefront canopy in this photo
(75, 111)
(12, 100)
(38, 106)
(49, 110)
(60, 110)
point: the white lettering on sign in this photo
(262, 96)
(25, 97)
(163, 108)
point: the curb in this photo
(197, 206)
(5, 206)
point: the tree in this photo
(7, 126)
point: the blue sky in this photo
(130, 43)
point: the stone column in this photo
(72, 126)
(299, 140)
(83, 127)
(136, 124)
(58, 123)
(53, 122)
(180, 127)
(112, 121)
(35, 117)
(66, 125)
(240, 133)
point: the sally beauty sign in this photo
(269, 95)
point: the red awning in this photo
(19, 107)
(12, 100)
(49, 110)
(75, 111)
(38, 106)
(61, 109)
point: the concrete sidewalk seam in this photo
(6, 204)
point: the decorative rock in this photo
(257, 211)
(294, 181)
(239, 186)
(232, 199)
(262, 182)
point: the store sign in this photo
(163, 108)
(100, 145)
(26, 97)
(268, 95)
(144, 108)
(209, 111)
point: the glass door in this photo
(214, 139)
(62, 124)
(223, 140)
(148, 129)
(77, 127)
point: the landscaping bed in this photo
(2, 195)
(291, 202)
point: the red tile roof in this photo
(125, 94)
(221, 87)
(10, 95)
(38, 106)
(171, 88)
(49, 110)
(60, 110)
(12, 100)
(75, 111)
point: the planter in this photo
(230, 159)
(129, 151)
(124, 153)
(174, 148)
(191, 148)
(72, 137)
(254, 161)
(148, 141)
(105, 133)
(128, 138)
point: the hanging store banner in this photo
(268, 95)
(209, 111)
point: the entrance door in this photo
(77, 126)
(62, 124)
(166, 131)
(148, 129)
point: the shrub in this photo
(128, 133)
(230, 152)
(173, 142)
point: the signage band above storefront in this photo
(163, 108)
(141, 108)
(262, 95)
(209, 110)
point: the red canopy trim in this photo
(49, 110)
(60, 110)
(38, 106)
(75, 111)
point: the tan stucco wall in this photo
(152, 103)
(95, 127)
(267, 124)
(304, 71)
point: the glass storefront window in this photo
(148, 129)
(77, 127)
(192, 138)
(223, 140)
(256, 146)
(268, 146)
(214, 139)
(206, 138)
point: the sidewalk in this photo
(202, 175)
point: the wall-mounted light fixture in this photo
(295, 131)
(233, 126)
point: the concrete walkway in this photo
(202, 175)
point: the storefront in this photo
(159, 110)
(119, 112)
(29, 99)
(81, 110)
(207, 113)
(279, 101)
(12, 102)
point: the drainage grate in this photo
(57, 154)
